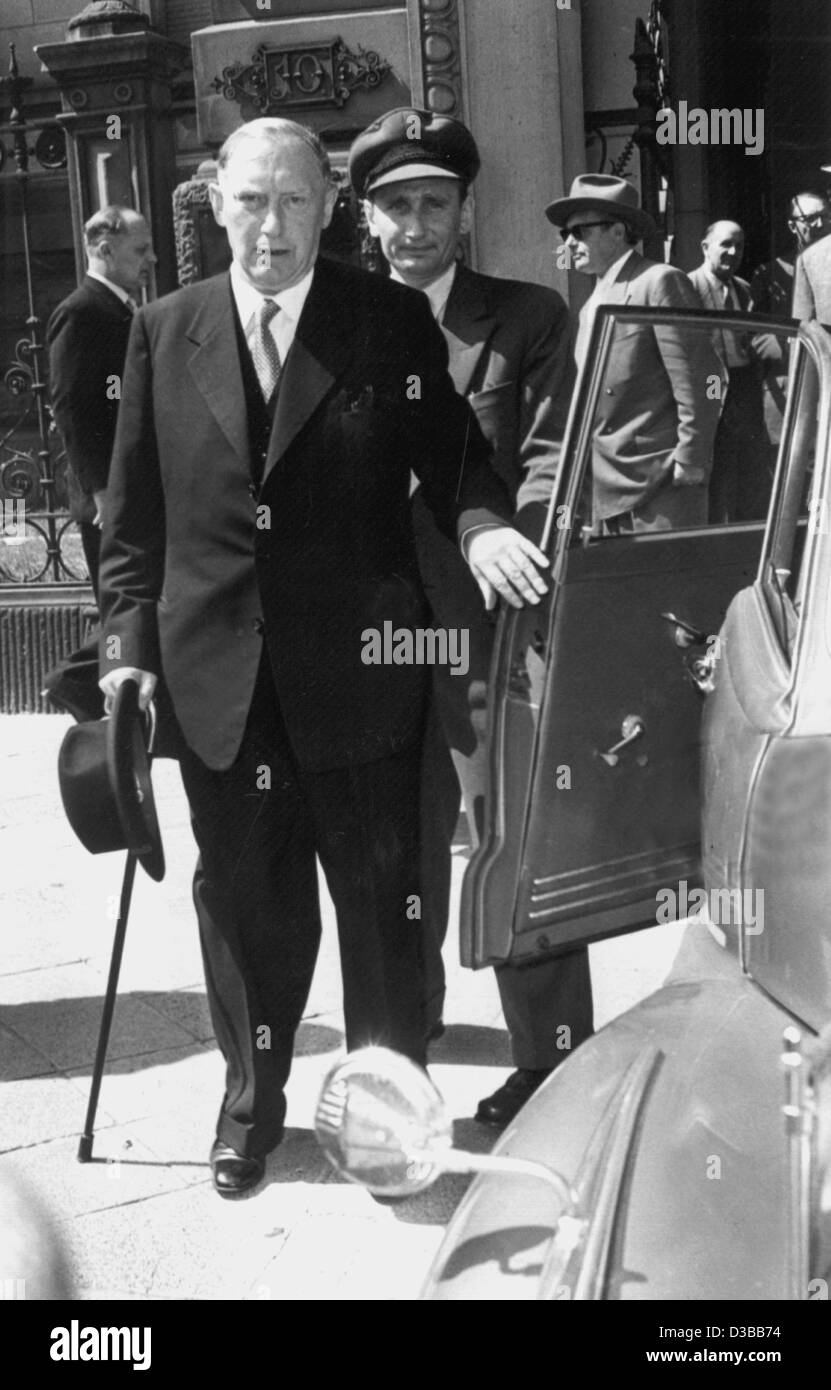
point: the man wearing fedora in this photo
(258, 525)
(653, 438)
(511, 356)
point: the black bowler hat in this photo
(409, 143)
(104, 775)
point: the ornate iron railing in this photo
(36, 537)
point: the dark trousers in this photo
(77, 675)
(742, 476)
(539, 1001)
(258, 826)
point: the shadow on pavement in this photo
(146, 1025)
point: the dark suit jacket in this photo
(510, 355)
(812, 283)
(87, 341)
(654, 408)
(196, 563)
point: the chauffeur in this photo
(258, 523)
(510, 354)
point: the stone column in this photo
(114, 73)
(521, 71)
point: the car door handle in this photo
(685, 634)
(631, 728)
(702, 672)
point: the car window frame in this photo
(788, 611)
(575, 458)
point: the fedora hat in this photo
(616, 198)
(104, 776)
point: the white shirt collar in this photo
(117, 290)
(248, 299)
(609, 276)
(438, 292)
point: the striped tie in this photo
(264, 349)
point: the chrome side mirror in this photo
(382, 1123)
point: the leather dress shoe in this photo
(232, 1173)
(504, 1104)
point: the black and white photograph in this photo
(415, 664)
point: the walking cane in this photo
(141, 795)
(85, 1142)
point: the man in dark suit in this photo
(653, 436)
(257, 546)
(510, 355)
(87, 341)
(742, 476)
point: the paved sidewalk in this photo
(143, 1221)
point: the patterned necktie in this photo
(264, 349)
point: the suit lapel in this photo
(467, 326)
(323, 348)
(621, 289)
(215, 366)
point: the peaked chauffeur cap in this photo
(408, 143)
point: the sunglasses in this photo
(579, 229)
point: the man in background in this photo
(510, 355)
(653, 432)
(771, 292)
(812, 274)
(741, 479)
(87, 342)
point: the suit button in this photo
(252, 490)
(609, 391)
(258, 625)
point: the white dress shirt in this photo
(284, 325)
(721, 295)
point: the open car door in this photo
(596, 694)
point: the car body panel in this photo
(766, 771)
(702, 1208)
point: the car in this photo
(660, 736)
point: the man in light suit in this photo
(812, 283)
(653, 438)
(87, 341)
(510, 355)
(258, 535)
(742, 476)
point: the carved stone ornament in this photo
(284, 79)
(440, 56)
(107, 17)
